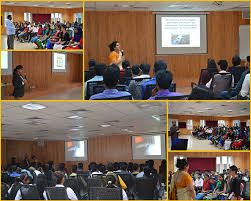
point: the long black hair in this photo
(17, 68)
(113, 45)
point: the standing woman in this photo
(18, 82)
(182, 183)
(116, 56)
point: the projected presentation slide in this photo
(59, 62)
(180, 31)
(76, 150)
(149, 147)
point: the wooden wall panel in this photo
(18, 13)
(136, 33)
(241, 159)
(102, 149)
(196, 120)
(38, 68)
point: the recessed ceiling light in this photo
(125, 6)
(105, 125)
(230, 110)
(209, 108)
(78, 126)
(126, 130)
(74, 117)
(35, 138)
(157, 117)
(200, 111)
(68, 3)
(32, 106)
(74, 129)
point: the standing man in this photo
(174, 130)
(10, 32)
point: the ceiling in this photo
(166, 5)
(51, 123)
(210, 108)
(51, 4)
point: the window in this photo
(202, 123)
(78, 17)
(27, 17)
(237, 123)
(248, 122)
(221, 123)
(224, 162)
(175, 162)
(6, 63)
(190, 124)
(56, 17)
(6, 14)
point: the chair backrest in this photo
(172, 97)
(29, 192)
(221, 82)
(4, 191)
(99, 193)
(96, 182)
(129, 181)
(90, 88)
(128, 97)
(237, 72)
(16, 186)
(144, 188)
(201, 72)
(83, 181)
(73, 184)
(56, 193)
(148, 92)
(5, 178)
(100, 88)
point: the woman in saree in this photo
(182, 182)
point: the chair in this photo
(4, 191)
(83, 184)
(184, 97)
(29, 192)
(237, 72)
(90, 88)
(144, 189)
(56, 193)
(129, 180)
(100, 88)
(99, 193)
(221, 82)
(128, 97)
(96, 182)
(73, 184)
(150, 87)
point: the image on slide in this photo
(148, 145)
(180, 39)
(76, 148)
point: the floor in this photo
(17, 45)
(184, 90)
(194, 144)
(71, 94)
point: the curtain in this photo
(41, 18)
(212, 123)
(243, 124)
(182, 125)
(201, 163)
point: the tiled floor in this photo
(71, 94)
(195, 144)
(17, 45)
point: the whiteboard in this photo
(244, 41)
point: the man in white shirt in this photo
(145, 68)
(10, 32)
(198, 184)
(245, 87)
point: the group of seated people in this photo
(51, 35)
(134, 82)
(227, 138)
(231, 184)
(116, 181)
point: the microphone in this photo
(25, 77)
(122, 51)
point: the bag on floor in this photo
(49, 45)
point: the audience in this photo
(208, 74)
(229, 185)
(110, 174)
(51, 35)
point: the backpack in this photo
(16, 186)
(201, 92)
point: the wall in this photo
(241, 159)
(102, 149)
(196, 120)
(38, 68)
(136, 33)
(18, 13)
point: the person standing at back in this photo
(10, 28)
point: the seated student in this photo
(111, 183)
(237, 144)
(136, 71)
(91, 64)
(126, 70)
(163, 82)
(98, 71)
(74, 169)
(135, 168)
(235, 183)
(119, 180)
(42, 41)
(59, 180)
(19, 29)
(245, 89)
(54, 38)
(220, 84)
(198, 184)
(236, 69)
(23, 34)
(207, 74)
(145, 68)
(39, 34)
(141, 171)
(77, 40)
(33, 32)
(15, 187)
(213, 176)
(64, 39)
(94, 170)
(158, 65)
(111, 78)
(70, 30)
